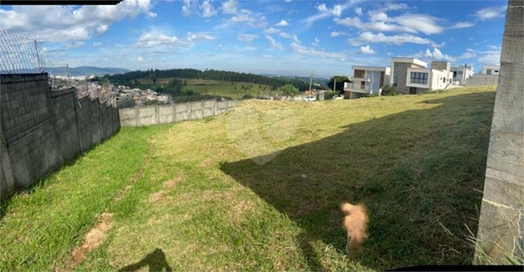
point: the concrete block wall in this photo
(155, 114)
(482, 80)
(41, 129)
(501, 225)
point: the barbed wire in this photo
(20, 53)
(23, 54)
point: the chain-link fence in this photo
(23, 54)
(20, 54)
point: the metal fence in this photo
(20, 53)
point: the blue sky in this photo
(289, 37)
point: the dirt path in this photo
(97, 235)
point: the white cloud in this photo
(64, 23)
(388, 7)
(282, 23)
(438, 55)
(337, 33)
(358, 11)
(274, 43)
(322, 8)
(461, 25)
(411, 23)
(316, 53)
(381, 16)
(337, 10)
(491, 13)
(366, 50)
(285, 35)
(316, 42)
(487, 57)
(368, 37)
(246, 37)
(199, 36)
(271, 30)
(97, 44)
(74, 45)
(139, 59)
(188, 7)
(490, 59)
(247, 17)
(324, 12)
(420, 23)
(467, 55)
(229, 7)
(268, 56)
(162, 41)
(207, 9)
(295, 38)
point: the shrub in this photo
(247, 96)
(330, 94)
(389, 90)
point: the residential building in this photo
(399, 72)
(366, 80)
(461, 74)
(420, 80)
(490, 70)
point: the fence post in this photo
(216, 107)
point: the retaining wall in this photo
(162, 114)
(42, 129)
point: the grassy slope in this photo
(223, 88)
(417, 162)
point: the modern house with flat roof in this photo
(490, 70)
(366, 80)
(421, 80)
(399, 72)
(461, 74)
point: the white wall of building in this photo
(490, 70)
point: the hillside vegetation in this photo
(194, 196)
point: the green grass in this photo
(234, 90)
(198, 203)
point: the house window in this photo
(443, 80)
(419, 78)
(496, 71)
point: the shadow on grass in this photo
(419, 172)
(155, 261)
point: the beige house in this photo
(366, 80)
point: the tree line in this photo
(132, 78)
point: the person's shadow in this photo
(156, 261)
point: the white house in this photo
(420, 80)
(461, 74)
(490, 70)
(366, 80)
(399, 72)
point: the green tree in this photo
(340, 83)
(288, 90)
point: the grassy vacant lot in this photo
(184, 197)
(222, 88)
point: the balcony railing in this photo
(356, 86)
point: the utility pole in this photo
(311, 80)
(335, 85)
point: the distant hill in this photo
(87, 71)
(76, 71)
(319, 80)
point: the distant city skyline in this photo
(264, 36)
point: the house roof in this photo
(409, 60)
